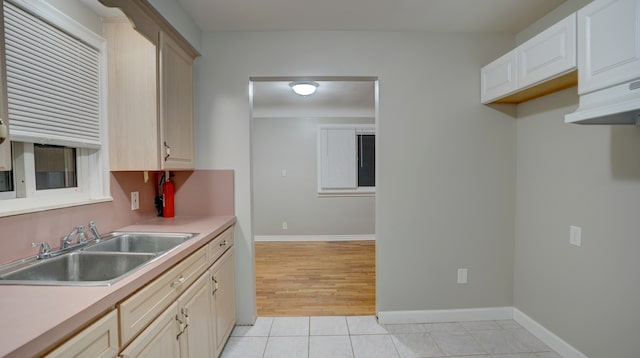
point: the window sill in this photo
(26, 205)
(337, 193)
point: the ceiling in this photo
(275, 98)
(486, 16)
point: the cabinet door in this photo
(195, 307)
(608, 43)
(498, 78)
(176, 109)
(224, 282)
(98, 340)
(160, 339)
(132, 97)
(548, 54)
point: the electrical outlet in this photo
(462, 275)
(135, 200)
(284, 172)
(284, 225)
(575, 235)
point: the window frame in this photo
(356, 191)
(91, 164)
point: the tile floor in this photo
(363, 337)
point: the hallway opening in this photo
(313, 196)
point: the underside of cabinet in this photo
(554, 85)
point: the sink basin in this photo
(139, 242)
(103, 263)
(81, 268)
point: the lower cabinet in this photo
(198, 323)
(160, 339)
(198, 319)
(224, 298)
(98, 340)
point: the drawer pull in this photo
(178, 282)
(223, 244)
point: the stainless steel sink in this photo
(99, 263)
(139, 242)
(82, 268)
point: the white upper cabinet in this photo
(608, 43)
(499, 78)
(548, 54)
(540, 66)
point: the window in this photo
(55, 167)
(346, 159)
(55, 78)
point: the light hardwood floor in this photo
(334, 278)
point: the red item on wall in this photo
(167, 198)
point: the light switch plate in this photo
(575, 235)
(135, 200)
(462, 275)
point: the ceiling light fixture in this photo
(304, 88)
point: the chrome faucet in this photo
(94, 231)
(66, 241)
(45, 249)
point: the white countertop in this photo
(35, 318)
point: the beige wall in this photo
(559, 13)
(291, 144)
(587, 176)
(446, 185)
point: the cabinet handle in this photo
(178, 282)
(168, 151)
(223, 244)
(215, 285)
(185, 314)
(181, 326)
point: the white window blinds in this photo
(53, 83)
(338, 158)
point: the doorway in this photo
(313, 212)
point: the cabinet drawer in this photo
(220, 244)
(140, 309)
(98, 340)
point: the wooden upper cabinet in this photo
(151, 115)
(133, 114)
(176, 105)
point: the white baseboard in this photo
(314, 237)
(483, 314)
(432, 316)
(549, 338)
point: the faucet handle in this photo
(45, 249)
(82, 238)
(93, 229)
